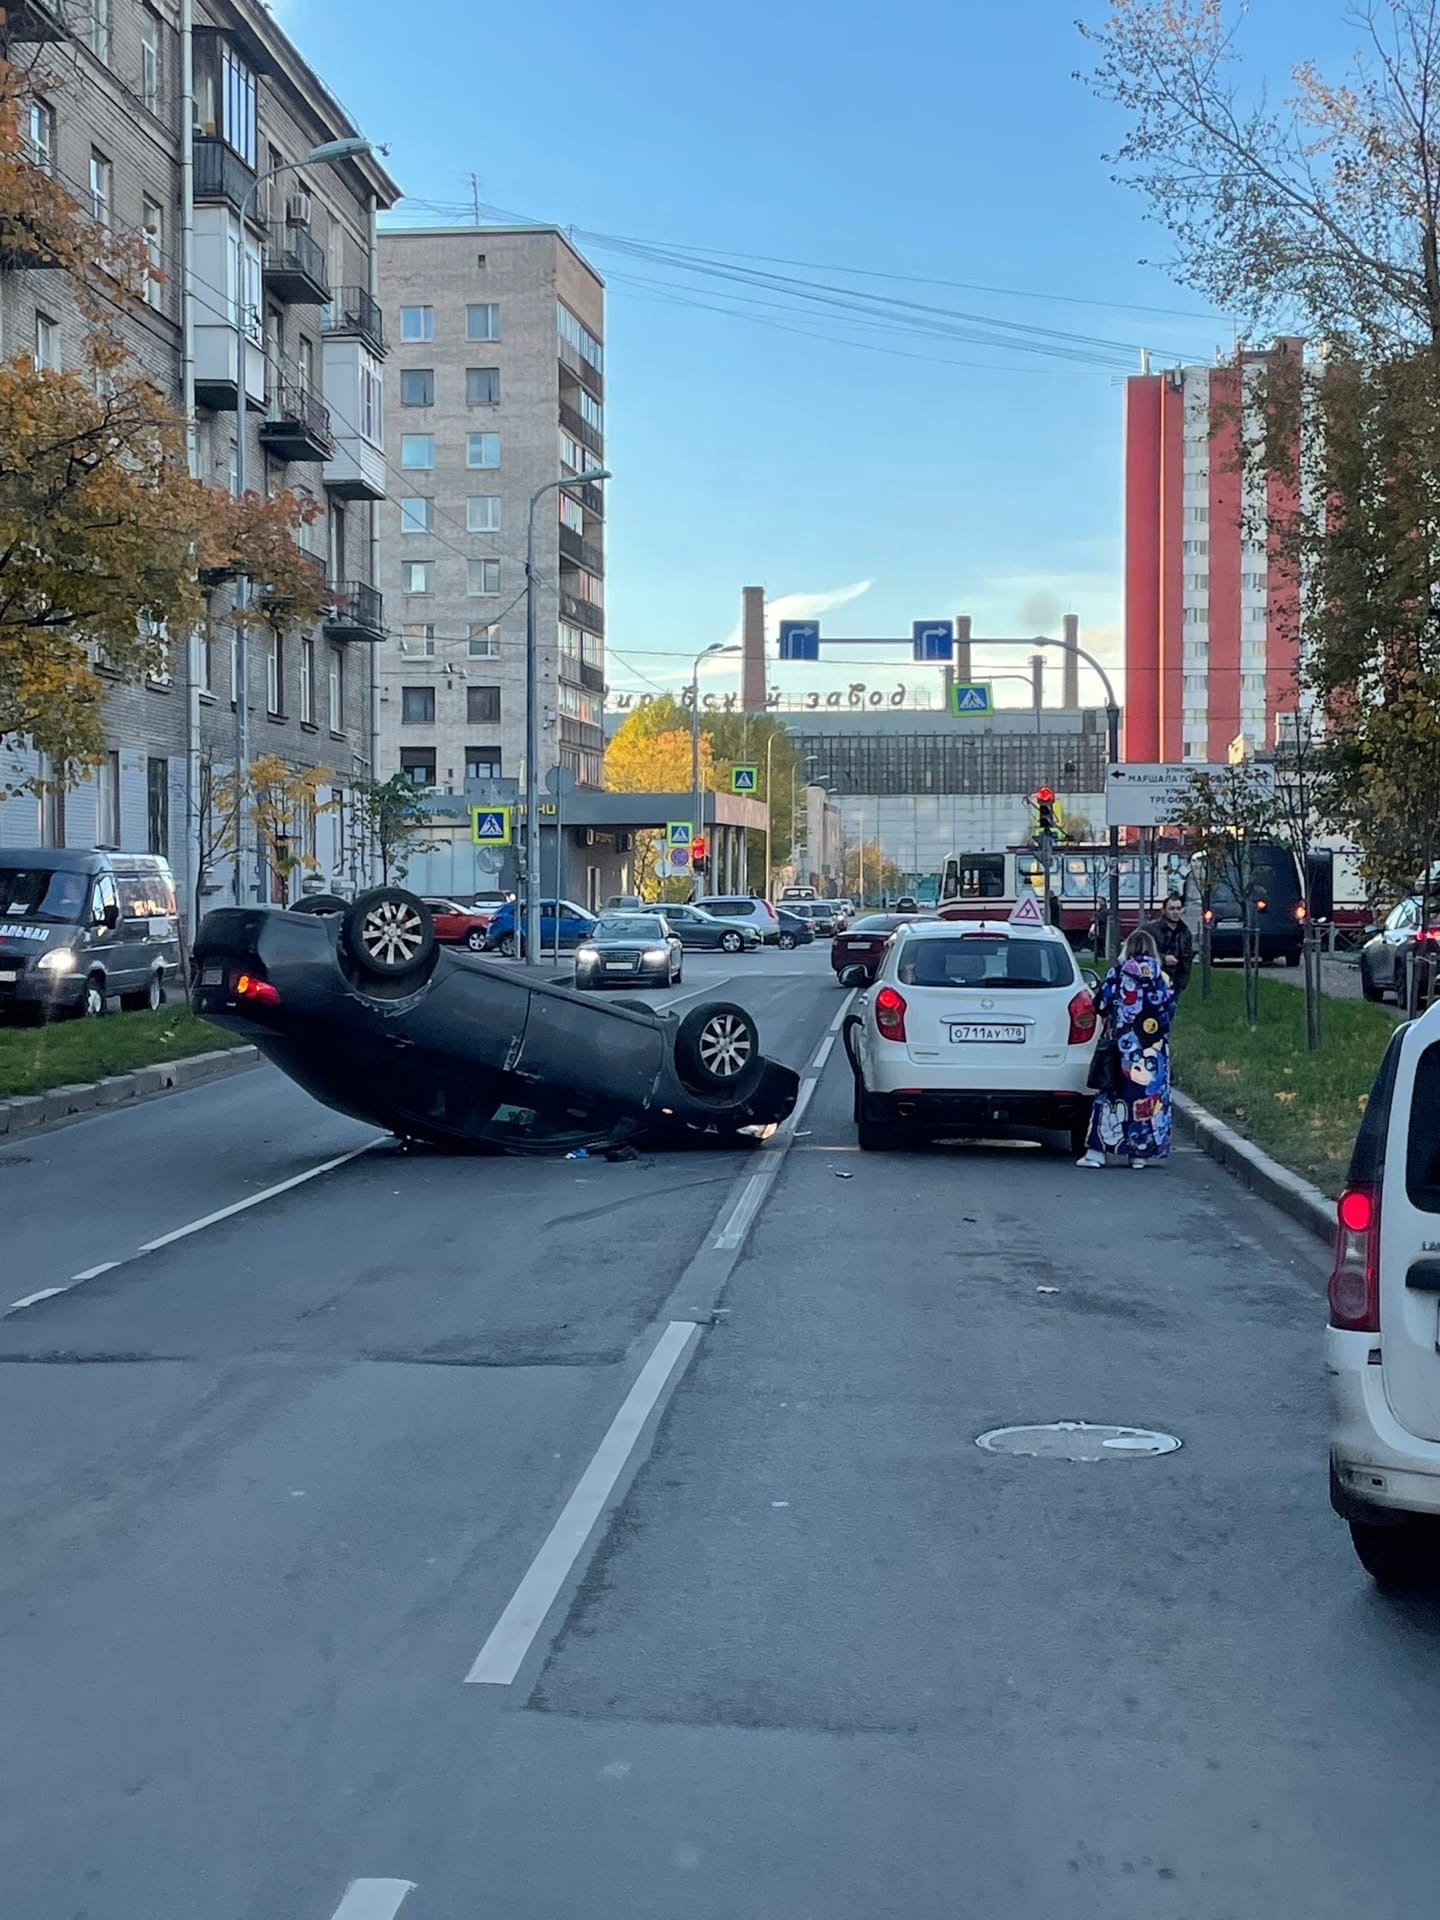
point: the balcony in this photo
(592, 678)
(279, 603)
(295, 265)
(584, 613)
(583, 552)
(591, 498)
(222, 177)
(297, 426)
(576, 424)
(357, 612)
(29, 20)
(23, 243)
(353, 313)
(575, 363)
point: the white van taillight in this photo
(1355, 1277)
(890, 1014)
(1082, 1018)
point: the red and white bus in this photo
(980, 886)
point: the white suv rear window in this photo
(985, 960)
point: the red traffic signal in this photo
(697, 850)
(1044, 796)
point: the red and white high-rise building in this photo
(1211, 607)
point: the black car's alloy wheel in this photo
(717, 1048)
(785, 942)
(389, 933)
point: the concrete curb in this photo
(1255, 1169)
(33, 1112)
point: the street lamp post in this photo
(697, 798)
(354, 148)
(532, 715)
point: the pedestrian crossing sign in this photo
(679, 833)
(490, 826)
(1027, 910)
(970, 698)
(744, 779)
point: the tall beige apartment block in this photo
(497, 389)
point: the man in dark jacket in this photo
(1175, 941)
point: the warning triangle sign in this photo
(971, 700)
(1027, 910)
(490, 826)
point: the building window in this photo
(482, 763)
(591, 411)
(47, 344)
(417, 706)
(107, 801)
(1197, 516)
(482, 577)
(415, 576)
(102, 188)
(1197, 616)
(417, 450)
(484, 643)
(572, 514)
(154, 235)
(482, 513)
(482, 386)
(418, 639)
(1254, 582)
(157, 804)
(372, 405)
(579, 336)
(482, 706)
(1197, 582)
(418, 765)
(417, 323)
(149, 60)
(482, 449)
(1197, 546)
(417, 387)
(417, 514)
(40, 135)
(1255, 616)
(589, 586)
(307, 682)
(579, 458)
(274, 676)
(482, 322)
(337, 690)
(97, 28)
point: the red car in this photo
(457, 926)
(859, 949)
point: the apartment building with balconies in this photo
(497, 390)
(185, 125)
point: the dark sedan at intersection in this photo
(629, 950)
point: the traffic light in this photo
(1044, 798)
(699, 864)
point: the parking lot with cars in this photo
(550, 1535)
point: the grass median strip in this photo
(35, 1059)
(1303, 1108)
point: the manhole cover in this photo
(1077, 1440)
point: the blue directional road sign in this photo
(971, 699)
(490, 826)
(934, 639)
(799, 639)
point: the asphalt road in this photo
(453, 1538)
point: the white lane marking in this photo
(93, 1273)
(748, 1205)
(256, 1199)
(513, 1634)
(34, 1299)
(373, 1899)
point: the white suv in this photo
(1382, 1346)
(972, 1025)
(758, 914)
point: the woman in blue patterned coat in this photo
(1131, 1117)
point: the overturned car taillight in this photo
(249, 986)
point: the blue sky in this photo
(919, 139)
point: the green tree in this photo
(1227, 816)
(392, 816)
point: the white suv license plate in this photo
(986, 1033)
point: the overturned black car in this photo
(359, 1005)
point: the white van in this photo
(1382, 1345)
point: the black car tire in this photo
(731, 942)
(475, 940)
(679, 974)
(320, 903)
(1399, 1557)
(1080, 1136)
(149, 999)
(1368, 987)
(1292, 959)
(785, 942)
(876, 1136)
(717, 1049)
(506, 945)
(389, 933)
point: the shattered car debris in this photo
(366, 1011)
